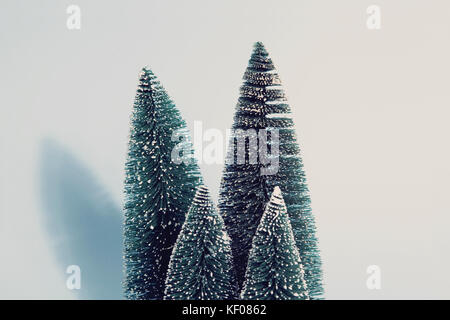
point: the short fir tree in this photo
(201, 266)
(274, 269)
(245, 191)
(158, 191)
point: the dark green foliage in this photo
(274, 269)
(245, 191)
(158, 192)
(201, 266)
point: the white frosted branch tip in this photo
(277, 198)
(202, 193)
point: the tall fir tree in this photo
(158, 190)
(274, 269)
(244, 190)
(201, 266)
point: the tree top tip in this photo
(259, 44)
(276, 197)
(277, 191)
(259, 49)
(146, 69)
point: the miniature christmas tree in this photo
(274, 269)
(158, 190)
(201, 266)
(246, 188)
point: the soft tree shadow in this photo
(83, 223)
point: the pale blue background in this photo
(371, 109)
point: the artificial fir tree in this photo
(158, 190)
(245, 190)
(201, 266)
(274, 269)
